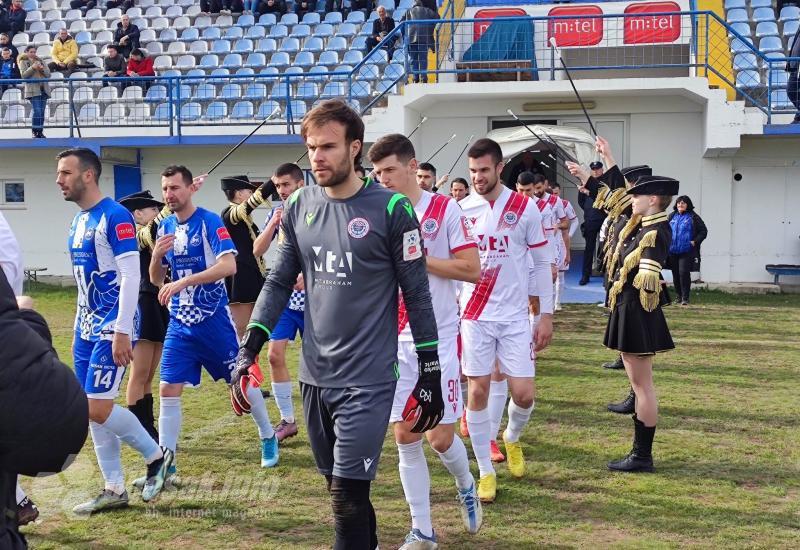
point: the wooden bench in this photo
(782, 269)
(504, 71)
(32, 274)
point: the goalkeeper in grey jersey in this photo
(355, 243)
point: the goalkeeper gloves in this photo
(246, 372)
(425, 406)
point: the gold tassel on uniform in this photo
(632, 224)
(631, 261)
(648, 282)
(145, 234)
(602, 194)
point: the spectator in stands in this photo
(123, 5)
(5, 42)
(64, 53)
(140, 65)
(126, 36)
(688, 231)
(12, 19)
(793, 87)
(8, 69)
(303, 7)
(420, 39)
(32, 68)
(334, 5)
(361, 5)
(459, 189)
(83, 5)
(278, 7)
(113, 66)
(381, 27)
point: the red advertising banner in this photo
(480, 27)
(578, 31)
(652, 29)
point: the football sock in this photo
(517, 418)
(464, 392)
(416, 480)
(479, 425)
(258, 410)
(169, 422)
(124, 424)
(350, 503)
(457, 463)
(498, 393)
(559, 287)
(20, 493)
(107, 448)
(283, 399)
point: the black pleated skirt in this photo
(245, 286)
(631, 329)
(153, 318)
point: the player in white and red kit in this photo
(451, 255)
(494, 321)
(566, 234)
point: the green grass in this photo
(726, 452)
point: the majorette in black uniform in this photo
(637, 324)
(153, 317)
(245, 285)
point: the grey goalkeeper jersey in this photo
(353, 254)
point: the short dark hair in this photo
(687, 200)
(392, 144)
(555, 184)
(336, 110)
(289, 169)
(87, 159)
(174, 169)
(230, 194)
(428, 167)
(30, 47)
(137, 52)
(114, 47)
(526, 178)
(539, 178)
(486, 146)
(461, 181)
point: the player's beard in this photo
(76, 191)
(489, 186)
(339, 174)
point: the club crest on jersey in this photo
(124, 231)
(222, 234)
(88, 235)
(430, 226)
(358, 228)
(510, 218)
(195, 240)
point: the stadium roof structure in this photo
(574, 141)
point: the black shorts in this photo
(245, 286)
(631, 329)
(347, 426)
(153, 318)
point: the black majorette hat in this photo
(633, 173)
(655, 185)
(233, 183)
(142, 199)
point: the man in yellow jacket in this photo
(64, 53)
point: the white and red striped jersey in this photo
(506, 230)
(444, 232)
(569, 210)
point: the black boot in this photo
(151, 421)
(626, 406)
(615, 365)
(640, 459)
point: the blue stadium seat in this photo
(360, 90)
(359, 43)
(271, 71)
(181, 93)
(256, 32)
(280, 91)
(290, 45)
(347, 30)
(745, 61)
(256, 60)
(313, 44)
(209, 61)
(246, 20)
(369, 72)
(333, 17)
(767, 28)
(221, 71)
(742, 46)
(780, 100)
(317, 73)
(731, 4)
(256, 91)
(387, 86)
(242, 110)
(379, 56)
(167, 36)
(748, 79)
(741, 28)
(328, 58)
(790, 13)
(366, 29)
(156, 94)
(352, 57)
(294, 69)
(231, 92)
(211, 33)
(267, 45)
(232, 60)
(289, 19)
(790, 29)
(195, 76)
(190, 34)
(190, 112)
(304, 59)
(398, 14)
(198, 47)
(323, 30)
(298, 109)
(770, 44)
(205, 92)
(202, 22)
(407, 4)
(355, 17)
(185, 62)
(394, 71)
(83, 37)
(737, 16)
(760, 4)
(343, 72)
(763, 14)
(279, 59)
(279, 31)
(246, 72)
(311, 18)
(267, 108)
(267, 19)
(778, 78)
(161, 113)
(338, 44)
(243, 46)
(307, 91)
(301, 31)
(332, 90)
(233, 33)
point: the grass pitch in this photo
(726, 452)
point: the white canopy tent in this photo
(574, 141)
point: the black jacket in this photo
(133, 42)
(379, 27)
(44, 414)
(420, 34)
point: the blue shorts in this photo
(290, 323)
(95, 369)
(210, 344)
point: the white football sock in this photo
(416, 482)
(498, 393)
(124, 424)
(464, 393)
(559, 288)
(169, 422)
(283, 399)
(457, 463)
(20, 493)
(517, 418)
(258, 410)
(107, 448)
(479, 424)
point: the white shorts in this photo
(409, 368)
(561, 254)
(510, 343)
